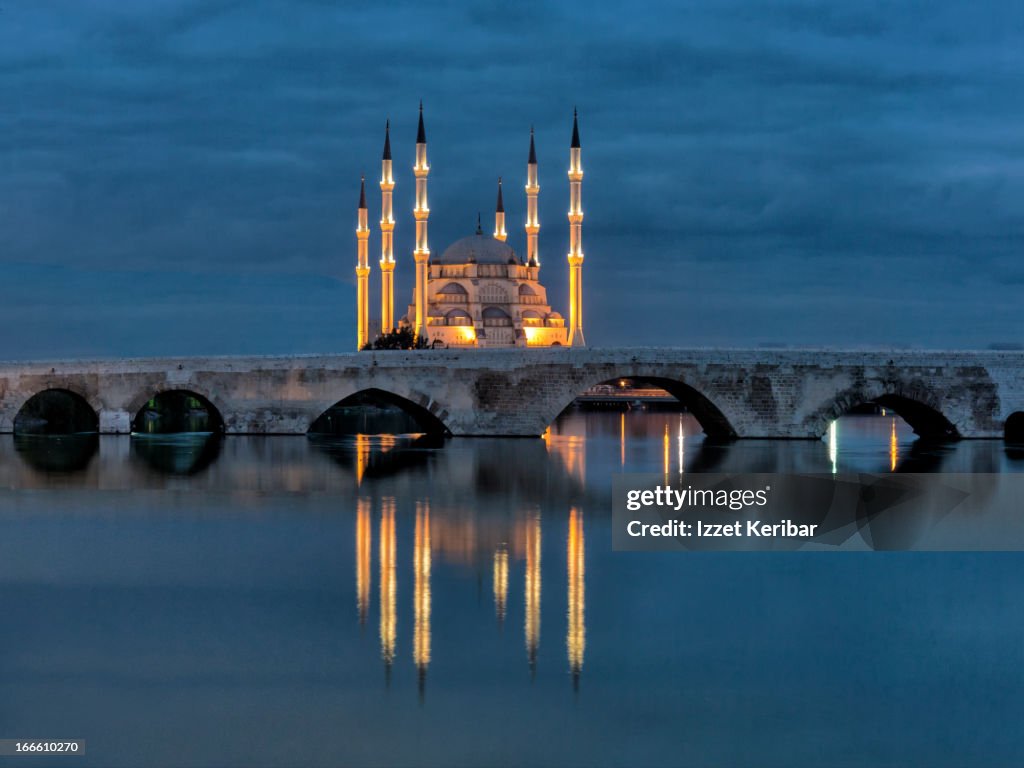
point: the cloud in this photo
(751, 168)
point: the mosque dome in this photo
(478, 249)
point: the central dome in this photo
(479, 249)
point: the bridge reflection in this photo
(575, 459)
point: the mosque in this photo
(478, 292)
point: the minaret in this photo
(421, 212)
(532, 222)
(387, 239)
(575, 239)
(362, 273)
(499, 216)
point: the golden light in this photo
(364, 543)
(894, 448)
(500, 578)
(363, 445)
(421, 590)
(576, 634)
(388, 585)
(667, 461)
(531, 622)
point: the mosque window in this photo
(491, 293)
(495, 317)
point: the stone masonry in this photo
(733, 393)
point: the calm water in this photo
(387, 601)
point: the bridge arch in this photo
(57, 411)
(915, 405)
(1013, 431)
(426, 417)
(713, 421)
(173, 410)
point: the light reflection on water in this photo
(225, 590)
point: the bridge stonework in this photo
(733, 393)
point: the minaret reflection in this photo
(894, 448)
(388, 586)
(576, 636)
(500, 582)
(531, 622)
(421, 593)
(364, 542)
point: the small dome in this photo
(554, 316)
(479, 249)
(453, 289)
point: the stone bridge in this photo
(733, 393)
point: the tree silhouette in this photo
(399, 338)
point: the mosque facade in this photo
(479, 292)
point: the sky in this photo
(181, 177)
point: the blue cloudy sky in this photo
(180, 176)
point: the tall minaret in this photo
(499, 216)
(387, 239)
(421, 212)
(362, 272)
(575, 239)
(532, 222)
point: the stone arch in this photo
(138, 404)
(1013, 431)
(429, 416)
(710, 417)
(57, 411)
(914, 404)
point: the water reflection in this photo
(421, 594)
(894, 448)
(531, 590)
(364, 546)
(177, 454)
(575, 459)
(576, 634)
(499, 579)
(410, 531)
(58, 454)
(388, 585)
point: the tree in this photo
(399, 338)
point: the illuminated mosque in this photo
(478, 292)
